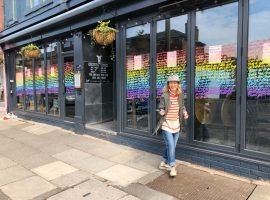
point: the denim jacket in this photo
(165, 104)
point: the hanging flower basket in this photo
(103, 34)
(30, 51)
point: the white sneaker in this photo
(173, 171)
(165, 166)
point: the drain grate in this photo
(199, 185)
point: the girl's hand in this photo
(162, 112)
(185, 115)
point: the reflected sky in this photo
(176, 23)
(218, 26)
(136, 30)
(259, 19)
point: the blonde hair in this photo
(166, 88)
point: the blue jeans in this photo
(170, 140)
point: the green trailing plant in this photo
(103, 34)
(30, 51)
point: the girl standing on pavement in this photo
(172, 110)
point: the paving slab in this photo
(4, 139)
(146, 193)
(36, 160)
(3, 196)
(71, 179)
(150, 177)
(12, 122)
(55, 135)
(20, 153)
(93, 164)
(87, 145)
(2, 128)
(21, 126)
(125, 156)
(260, 193)
(92, 189)
(107, 151)
(6, 163)
(8, 147)
(34, 141)
(129, 197)
(69, 139)
(196, 185)
(14, 133)
(27, 189)
(54, 170)
(39, 129)
(121, 175)
(12, 174)
(72, 156)
(55, 148)
(146, 162)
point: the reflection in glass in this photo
(258, 78)
(137, 73)
(171, 53)
(52, 79)
(67, 44)
(69, 87)
(215, 75)
(19, 82)
(40, 83)
(29, 85)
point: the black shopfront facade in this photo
(220, 50)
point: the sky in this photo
(218, 25)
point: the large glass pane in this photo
(29, 85)
(67, 44)
(52, 79)
(171, 53)
(137, 73)
(258, 78)
(215, 75)
(19, 82)
(69, 87)
(40, 83)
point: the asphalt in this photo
(40, 161)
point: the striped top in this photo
(172, 124)
(173, 112)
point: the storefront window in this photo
(215, 75)
(52, 79)
(67, 44)
(258, 78)
(69, 87)
(137, 76)
(171, 53)
(40, 83)
(29, 85)
(19, 82)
